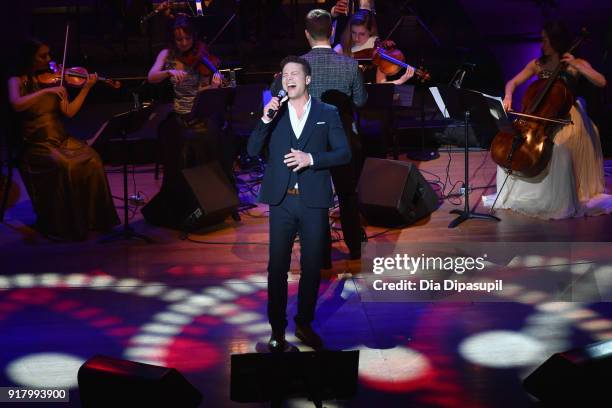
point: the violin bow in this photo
(222, 29)
(397, 24)
(65, 52)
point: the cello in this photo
(526, 149)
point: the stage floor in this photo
(191, 303)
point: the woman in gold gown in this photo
(64, 177)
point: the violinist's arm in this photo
(381, 78)
(71, 108)
(526, 73)
(23, 102)
(156, 73)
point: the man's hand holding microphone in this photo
(270, 110)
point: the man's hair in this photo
(319, 24)
(298, 60)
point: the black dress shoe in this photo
(277, 342)
(236, 216)
(308, 336)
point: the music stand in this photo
(213, 103)
(122, 125)
(378, 105)
(471, 107)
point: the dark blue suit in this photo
(304, 214)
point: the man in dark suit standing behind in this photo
(331, 71)
(305, 139)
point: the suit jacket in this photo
(331, 71)
(323, 137)
(334, 71)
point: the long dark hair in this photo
(560, 38)
(24, 58)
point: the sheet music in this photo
(495, 103)
(439, 102)
(496, 106)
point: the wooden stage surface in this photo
(190, 303)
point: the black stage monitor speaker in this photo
(259, 377)
(575, 378)
(394, 193)
(200, 196)
(111, 382)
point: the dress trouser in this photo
(288, 219)
(345, 180)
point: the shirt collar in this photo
(306, 106)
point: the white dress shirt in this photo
(298, 124)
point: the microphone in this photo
(280, 96)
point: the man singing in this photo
(305, 139)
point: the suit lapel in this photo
(313, 116)
(285, 126)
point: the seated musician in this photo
(361, 36)
(64, 177)
(341, 12)
(187, 141)
(573, 183)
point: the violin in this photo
(527, 148)
(201, 60)
(75, 77)
(391, 61)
